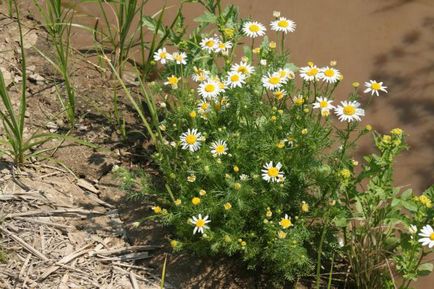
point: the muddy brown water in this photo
(387, 40)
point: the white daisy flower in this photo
(427, 233)
(199, 74)
(286, 74)
(191, 140)
(254, 29)
(373, 87)
(162, 55)
(204, 107)
(200, 223)
(272, 81)
(235, 79)
(209, 44)
(309, 73)
(243, 67)
(223, 47)
(283, 25)
(271, 173)
(179, 57)
(324, 104)
(219, 148)
(349, 111)
(329, 74)
(209, 89)
(279, 94)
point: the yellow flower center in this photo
(210, 43)
(278, 95)
(204, 106)
(285, 223)
(242, 69)
(274, 80)
(329, 73)
(349, 110)
(323, 104)
(282, 73)
(191, 139)
(173, 80)
(283, 23)
(273, 172)
(163, 55)
(178, 57)
(209, 88)
(431, 237)
(200, 223)
(254, 28)
(222, 46)
(312, 71)
(220, 149)
(375, 86)
(235, 77)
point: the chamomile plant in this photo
(257, 155)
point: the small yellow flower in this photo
(424, 200)
(178, 202)
(387, 139)
(368, 127)
(279, 94)
(272, 45)
(237, 186)
(256, 50)
(304, 131)
(227, 206)
(269, 213)
(298, 100)
(333, 63)
(304, 207)
(173, 243)
(281, 235)
(396, 131)
(345, 173)
(193, 114)
(227, 239)
(310, 63)
(332, 202)
(285, 222)
(228, 32)
(202, 192)
(191, 178)
(355, 84)
(273, 118)
(280, 145)
(243, 244)
(195, 201)
(355, 163)
(236, 169)
(157, 209)
(172, 81)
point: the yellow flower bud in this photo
(193, 114)
(272, 45)
(202, 192)
(237, 186)
(156, 209)
(227, 206)
(195, 201)
(178, 202)
(355, 84)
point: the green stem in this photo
(318, 262)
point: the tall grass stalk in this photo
(15, 145)
(58, 23)
(121, 36)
